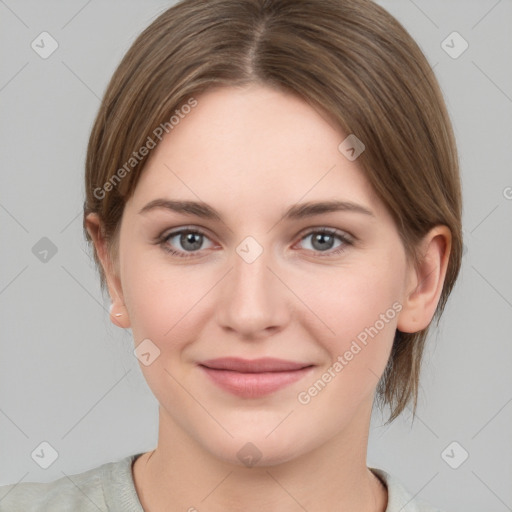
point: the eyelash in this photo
(163, 241)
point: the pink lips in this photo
(253, 378)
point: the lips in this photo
(253, 378)
(264, 364)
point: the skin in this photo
(251, 153)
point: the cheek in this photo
(163, 299)
(163, 302)
(359, 310)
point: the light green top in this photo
(110, 487)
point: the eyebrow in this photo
(295, 212)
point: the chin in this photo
(252, 449)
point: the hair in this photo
(349, 58)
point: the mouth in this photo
(254, 378)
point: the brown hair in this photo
(351, 59)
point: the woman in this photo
(273, 199)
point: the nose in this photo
(253, 301)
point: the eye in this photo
(323, 240)
(187, 240)
(184, 242)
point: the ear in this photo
(118, 312)
(425, 284)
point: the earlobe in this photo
(119, 315)
(118, 312)
(425, 283)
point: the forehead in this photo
(256, 144)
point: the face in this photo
(320, 288)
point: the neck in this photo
(181, 475)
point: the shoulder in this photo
(93, 490)
(399, 499)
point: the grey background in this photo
(69, 377)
